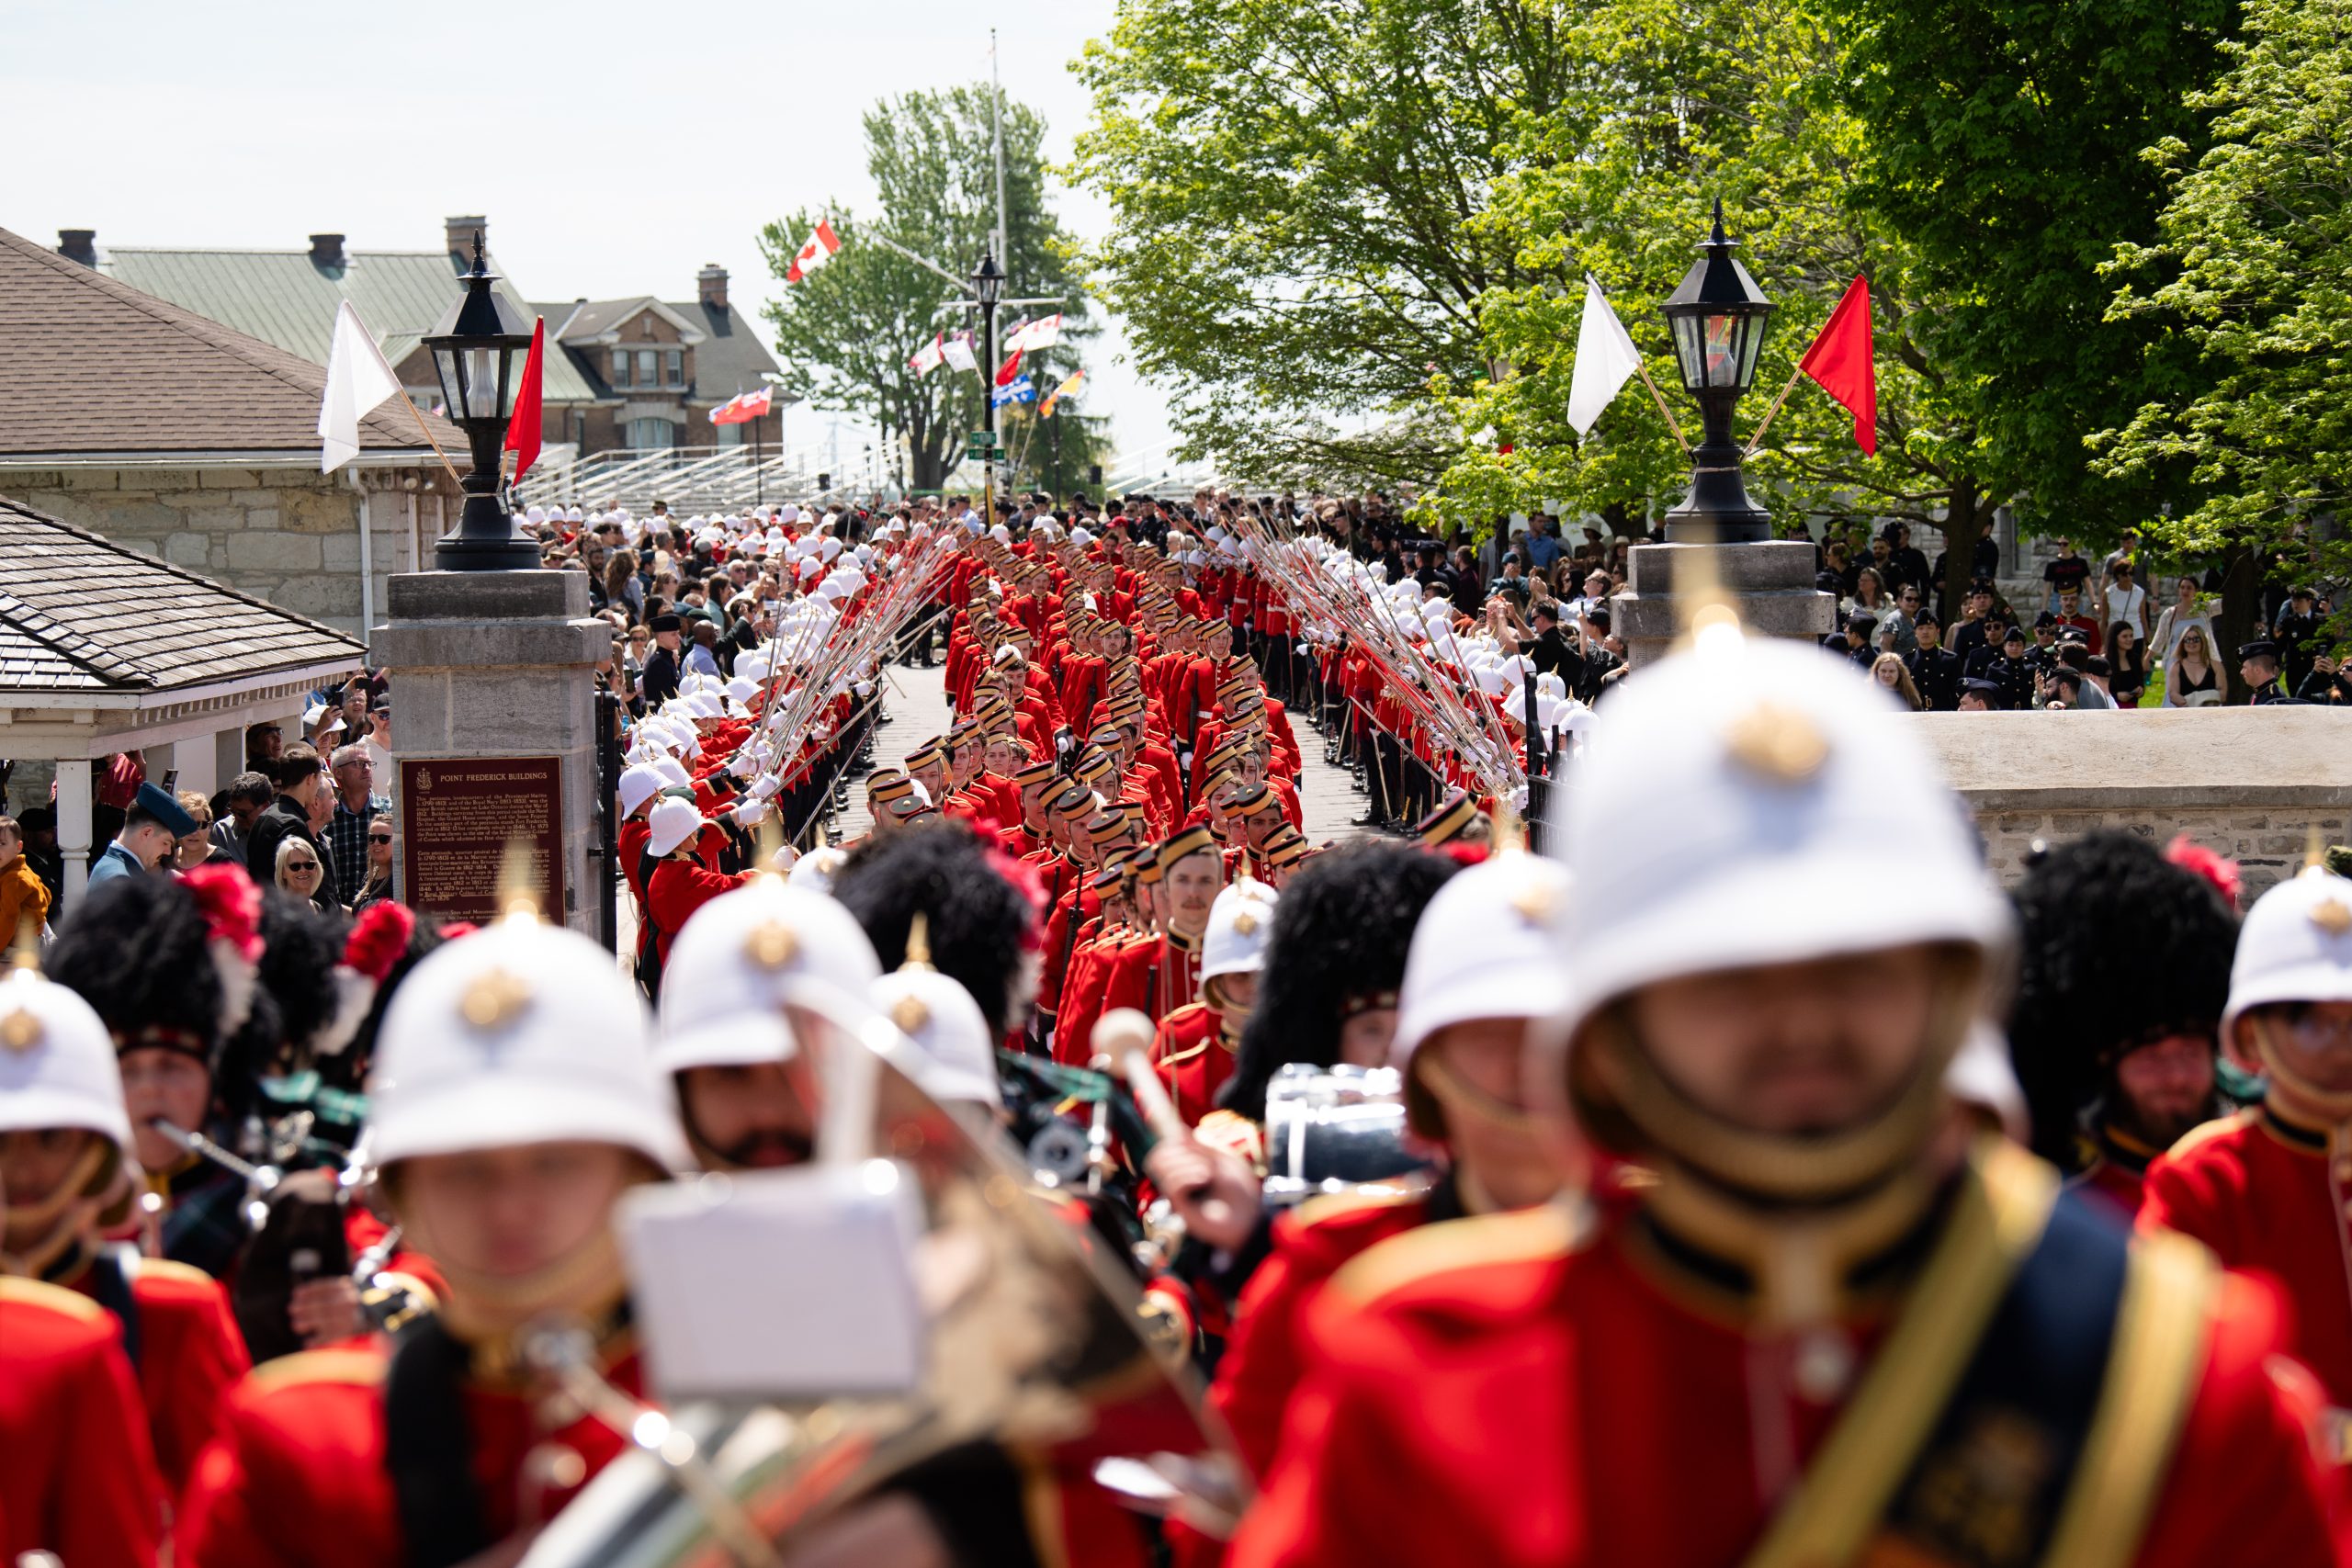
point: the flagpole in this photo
(429, 438)
(1644, 371)
(1758, 439)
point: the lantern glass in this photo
(1717, 350)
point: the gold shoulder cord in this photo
(2160, 1339)
(1997, 1218)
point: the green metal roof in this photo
(284, 298)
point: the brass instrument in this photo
(1338, 1129)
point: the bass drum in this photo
(1036, 1375)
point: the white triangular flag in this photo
(1606, 359)
(357, 379)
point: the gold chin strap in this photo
(488, 1311)
(2293, 1095)
(61, 1220)
(1623, 1092)
(1459, 1098)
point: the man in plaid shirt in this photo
(355, 805)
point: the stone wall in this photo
(2251, 784)
(287, 536)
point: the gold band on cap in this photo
(1449, 821)
(1191, 842)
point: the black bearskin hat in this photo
(136, 949)
(296, 995)
(980, 923)
(1340, 932)
(2118, 947)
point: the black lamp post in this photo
(477, 352)
(1718, 317)
(988, 288)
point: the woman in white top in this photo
(2187, 610)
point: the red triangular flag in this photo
(1009, 369)
(522, 425)
(1839, 360)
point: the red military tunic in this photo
(1266, 1357)
(2117, 1169)
(2256, 1188)
(680, 886)
(190, 1353)
(1506, 1392)
(1193, 1059)
(77, 1477)
(297, 1476)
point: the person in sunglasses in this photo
(377, 887)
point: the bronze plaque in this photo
(459, 816)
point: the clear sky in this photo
(614, 148)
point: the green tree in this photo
(845, 332)
(2002, 139)
(1290, 187)
(1689, 100)
(2249, 267)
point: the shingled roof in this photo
(79, 614)
(289, 298)
(89, 364)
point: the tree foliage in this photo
(1291, 188)
(1690, 100)
(2003, 143)
(845, 332)
(2253, 266)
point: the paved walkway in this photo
(918, 710)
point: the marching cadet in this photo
(79, 1479)
(1162, 972)
(1841, 1326)
(174, 978)
(680, 881)
(2124, 971)
(1195, 1050)
(762, 972)
(64, 1155)
(727, 1039)
(1482, 967)
(513, 1101)
(2268, 1188)
(1333, 964)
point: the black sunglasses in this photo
(380, 838)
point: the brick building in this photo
(633, 373)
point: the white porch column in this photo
(198, 763)
(73, 826)
(228, 754)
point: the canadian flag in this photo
(743, 406)
(820, 249)
(929, 357)
(1042, 333)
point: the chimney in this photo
(326, 252)
(78, 245)
(460, 234)
(710, 286)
